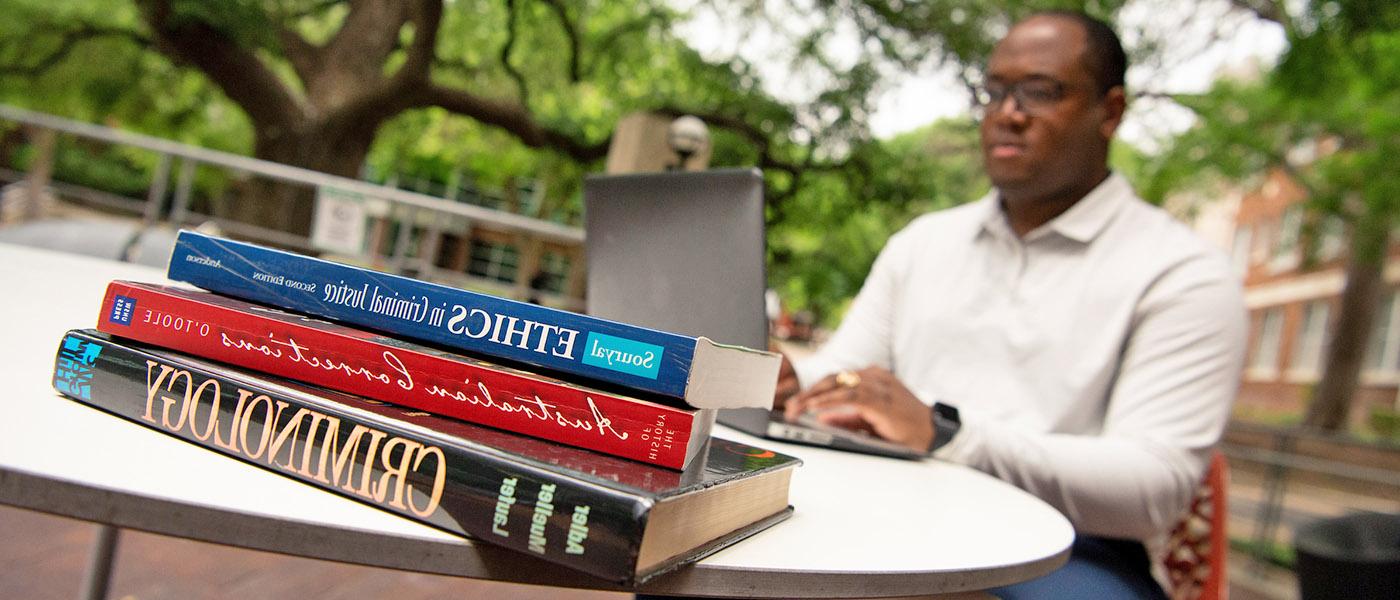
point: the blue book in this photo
(696, 370)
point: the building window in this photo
(494, 260)
(1383, 346)
(554, 267)
(479, 197)
(1265, 363)
(1239, 251)
(1308, 342)
(1262, 240)
(1285, 248)
(1332, 238)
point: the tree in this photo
(318, 79)
(826, 236)
(534, 85)
(1327, 117)
(823, 248)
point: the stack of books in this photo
(305, 367)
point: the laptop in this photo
(685, 252)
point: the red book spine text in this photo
(361, 363)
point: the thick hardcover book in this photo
(367, 364)
(614, 518)
(698, 371)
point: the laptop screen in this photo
(684, 252)
(679, 251)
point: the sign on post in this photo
(340, 221)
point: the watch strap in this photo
(946, 423)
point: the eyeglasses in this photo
(1032, 95)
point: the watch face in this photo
(946, 423)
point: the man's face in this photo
(1050, 133)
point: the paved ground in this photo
(43, 556)
(1301, 504)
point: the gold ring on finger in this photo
(848, 379)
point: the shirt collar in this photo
(991, 221)
(1082, 222)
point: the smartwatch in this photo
(946, 424)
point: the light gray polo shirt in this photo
(1094, 361)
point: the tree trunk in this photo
(286, 206)
(1332, 400)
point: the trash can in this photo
(1354, 557)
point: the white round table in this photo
(864, 526)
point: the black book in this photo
(617, 519)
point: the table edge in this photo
(463, 558)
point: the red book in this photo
(374, 366)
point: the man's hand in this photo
(787, 384)
(870, 399)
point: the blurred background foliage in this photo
(500, 92)
(1327, 116)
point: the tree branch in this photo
(766, 157)
(306, 58)
(313, 9)
(571, 32)
(367, 37)
(514, 118)
(612, 36)
(237, 71)
(457, 64)
(511, 32)
(68, 40)
(1268, 10)
(426, 16)
(737, 125)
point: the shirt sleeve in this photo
(863, 338)
(1177, 379)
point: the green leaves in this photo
(249, 22)
(824, 239)
(545, 78)
(1335, 95)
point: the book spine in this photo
(316, 353)
(561, 341)
(457, 488)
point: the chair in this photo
(1198, 546)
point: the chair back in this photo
(1198, 547)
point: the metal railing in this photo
(407, 207)
(1320, 487)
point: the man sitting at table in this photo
(1071, 339)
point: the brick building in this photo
(1292, 285)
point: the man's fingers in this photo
(797, 404)
(794, 405)
(811, 401)
(845, 420)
